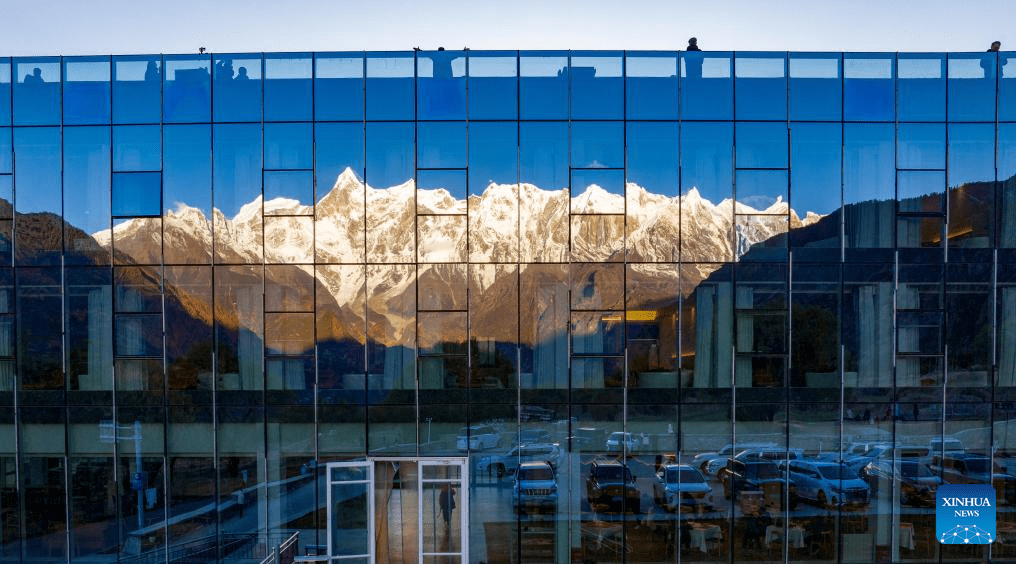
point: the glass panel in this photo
(815, 320)
(289, 239)
(89, 328)
(40, 357)
(289, 87)
(289, 333)
(1006, 174)
(920, 190)
(543, 85)
(442, 332)
(441, 78)
(237, 189)
(45, 505)
(188, 337)
(137, 89)
(706, 181)
(868, 88)
(390, 88)
(138, 335)
(340, 308)
(441, 145)
(192, 471)
(920, 146)
(493, 176)
(5, 92)
(761, 145)
(37, 91)
(651, 322)
(187, 192)
(597, 144)
(651, 85)
(597, 238)
(543, 158)
(494, 325)
(761, 86)
(292, 474)
(597, 85)
(972, 84)
(707, 88)
(971, 191)
(761, 191)
(868, 185)
(340, 193)
(596, 333)
(653, 169)
(187, 89)
(1006, 87)
(137, 194)
(239, 327)
(441, 238)
(544, 317)
(137, 147)
(816, 183)
(390, 154)
(919, 232)
(86, 90)
(597, 191)
(596, 373)
(237, 93)
(86, 157)
(338, 86)
(286, 188)
(493, 85)
(391, 299)
(6, 152)
(921, 90)
(39, 191)
(289, 146)
(816, 89)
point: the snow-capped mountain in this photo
(507, 223)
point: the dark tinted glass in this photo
(39, 183)
(86, 90)
(1006, 87)
(137, 89)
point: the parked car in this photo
(509, 462)
(618, 441)
(740, 475)
(535, 487)
(946, 445)
(827, 483)
(530, 436)
(611, 483)
(703, 459)
(681, 486)
(917, 484)
(971, 468)
(478, 437)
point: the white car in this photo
(618, 441)
(478, 437)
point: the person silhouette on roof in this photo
(693, 45)
(35, 77)
(995, 47)
(693, 59)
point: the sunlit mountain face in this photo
(507, 223)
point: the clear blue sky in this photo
(78, 27)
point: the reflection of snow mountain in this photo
(507, 224)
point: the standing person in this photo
(995, 47)
(693, 45)
(693, 59)
(447, 501)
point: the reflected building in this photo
(499, 307)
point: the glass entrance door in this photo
(398, 511)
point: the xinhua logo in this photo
(965, 514)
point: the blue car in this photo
(535, 487)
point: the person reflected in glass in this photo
(224, 69)
(35, 77)
(988, 63)
(446, 499)
(152, 72)
(241, 74)
(693, 59)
